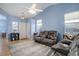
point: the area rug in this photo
(30, 48)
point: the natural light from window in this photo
(2, 23)
(39, 25)
(14, 26)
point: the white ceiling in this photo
(16, 9)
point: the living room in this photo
(43, 29)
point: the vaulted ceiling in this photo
(16, 9)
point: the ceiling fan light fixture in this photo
(22, 17)
(32, 11)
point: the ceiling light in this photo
(22, 17)
(32, 11)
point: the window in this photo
(2, 26)
(72, 22)
(39, 25)
(2, 17)
(14, 26)
(32, 26)
(2, 23)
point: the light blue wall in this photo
(53, 17)
(9, 20)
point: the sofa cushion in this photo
(44, 34)
(69, 36)
(40, 34)
(76, 37)
(65, 45)
(52, 37)
(68, 42)
(61, 48)
(48, 41)
(37, 38)
(65, 37)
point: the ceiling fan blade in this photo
(38, 10)
(33, 9)
(33, 6)
(27, 8)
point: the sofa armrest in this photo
(68, 42)
(61, 48)
(36, 34)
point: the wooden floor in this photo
(29, 48)
(26, 47)
(23, 48)
(4, 50)
(4, 46)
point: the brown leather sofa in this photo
(46, 37)
(64, 45)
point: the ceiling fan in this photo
(33, 9)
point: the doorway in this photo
(24, 30)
